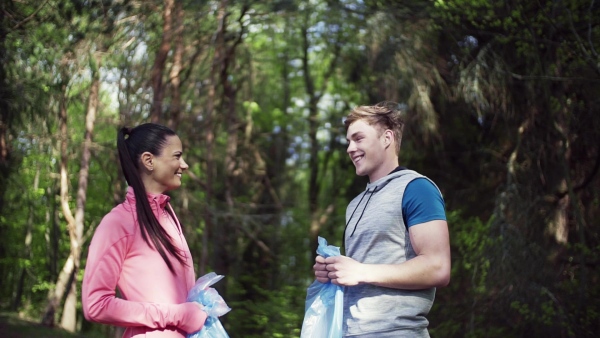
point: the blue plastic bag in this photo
(214, 305)
(324, 303)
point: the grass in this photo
(11, 326)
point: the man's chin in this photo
(360, 172)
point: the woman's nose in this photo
(183, 165)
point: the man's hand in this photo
(344, 271)
(321, 270)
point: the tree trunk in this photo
(318, 216)
(160, 61)
(210, 136)
(55, 296)
(208, 235)
(313, 187)
(69, 315)
(27, 249)
(6, 94)
(75, 224)
(229, 97)
(223, 252)
(175, 76)
(53, 233)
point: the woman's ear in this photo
(147, 160)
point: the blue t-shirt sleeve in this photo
(422, 202)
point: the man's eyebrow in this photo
(353, 135)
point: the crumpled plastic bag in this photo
(214, 305)
(323, 309)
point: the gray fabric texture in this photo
(376, 234)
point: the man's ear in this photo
(147, 160)
(388, 137)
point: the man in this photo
(396, 236)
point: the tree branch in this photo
(24, 21)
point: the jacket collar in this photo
(158, 202)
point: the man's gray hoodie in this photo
(376, 234)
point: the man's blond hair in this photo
(383, 115)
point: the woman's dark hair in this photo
(148, 137)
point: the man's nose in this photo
(351, 147)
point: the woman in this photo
(139, 248)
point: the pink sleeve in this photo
(100, 304)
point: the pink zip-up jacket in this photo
(152, 300)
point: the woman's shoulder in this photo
(119, 222)
(113, 236)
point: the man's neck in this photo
(384, 170)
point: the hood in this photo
(373, 188)
(382, 182)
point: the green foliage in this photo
(502, 101)
(472, 241)
(277, 313)
(466, 315)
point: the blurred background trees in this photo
(501, 107)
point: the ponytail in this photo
(146, 137)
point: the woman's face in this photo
(168, 167)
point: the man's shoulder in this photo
(403, 177)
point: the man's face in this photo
(366, 148)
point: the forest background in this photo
(501, 100)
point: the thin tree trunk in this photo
(318, 216)
(27, 246)
(69, 315)
(175, 76)
(160, 61)
(55, 296)
(75, 224)
(313, 187)
(223, 252)
(210, 135)
(229, 97)
(54, 232)
(6, 94)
